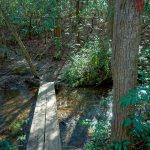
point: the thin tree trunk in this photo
(57, 30)
(110, 17)
(30, 26)
(124, 61)
(77, 21)
(18, 39)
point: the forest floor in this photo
(19, 92)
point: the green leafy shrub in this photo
(57, 55)
(89, 66)
(101, 127)
(121, 145)
(57, 42)
(5, 145)
(21, 138)
(16, 127)
(139, 122)
(4, 52)
(144, 67)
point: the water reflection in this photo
(16, 106)
(75, 105)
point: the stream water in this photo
(17, 104)
(16, 112)
(74, 105)
(77, 105)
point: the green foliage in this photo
(89, 66)
(100, 135)
(144, 67)
(121, 145)
(136, 96)
(16, 127)
(5, 145)
(101, 5)
(101, 129)
(146, 6)
(4, 52)
(34, 16)
(16, 136)
(139, 122)
(21, 138)
(146, 10)
(57, 42)
(57, 55)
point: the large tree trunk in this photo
(124, 61)
(18, 39)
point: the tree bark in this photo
(124, 61)
(18, 39)
(30, 26)
(77, 20)
(57, 30)
(110, 18)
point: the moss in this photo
(21, 71)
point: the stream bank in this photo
(18, 94)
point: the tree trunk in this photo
(18, 39)
(57, 30)
(110, 18)
(124, 61)
(30, 26)
(77, 20)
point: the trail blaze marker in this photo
(139, 4)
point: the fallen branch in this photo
(18, 39)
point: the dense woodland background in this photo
(78, 39)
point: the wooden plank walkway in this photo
(44, 133)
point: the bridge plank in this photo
(44, 133)
(36, 138)
(52, 136)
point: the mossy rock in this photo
(21, 71)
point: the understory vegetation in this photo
(137, 125)
(17, 130)
(89, 65)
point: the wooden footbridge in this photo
(44, 133)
